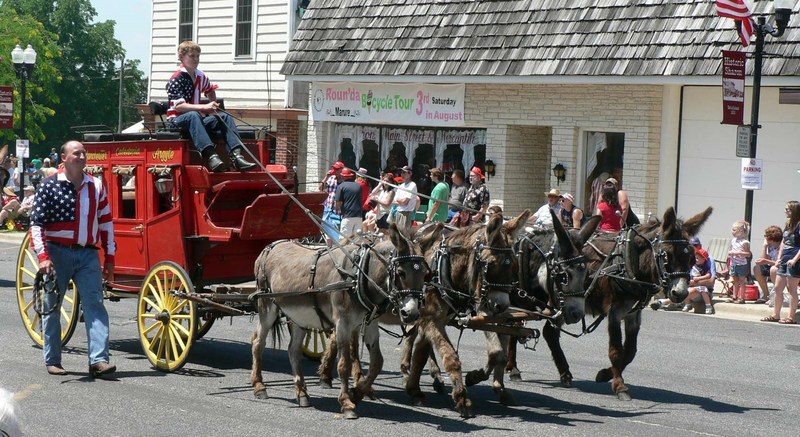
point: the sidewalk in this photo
(749, 311)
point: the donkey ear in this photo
(517, 224)
(589, 227)
(396, 237)
(561, 233)
(692, 225)
(430, 237)
(669, 219)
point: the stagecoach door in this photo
(127, 206)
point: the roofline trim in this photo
(550, 80)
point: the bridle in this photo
(557, 271)
(391, 295)
(461, 302)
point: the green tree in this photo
(41, 86)
(88, 92)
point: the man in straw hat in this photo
(541, 218)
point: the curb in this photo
(12, 237)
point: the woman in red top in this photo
(610, 209)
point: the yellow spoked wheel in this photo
(315, 342)
(167, 322)
(27, 267)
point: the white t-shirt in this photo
(406, 190)
(543, 218)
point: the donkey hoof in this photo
(515, 375)
(438, 386)
(261, 394)
(418, 401)
(325, 383)
(623, 395)
(604, 375)
(474, 377)
(506, 398)
(465, 412)
(303, 401)
(566, 380)
(350, 414)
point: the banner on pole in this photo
(733, 87)
(23, 149)
(6, 107)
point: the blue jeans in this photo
(83, 267)
(201, 128)
(331, 223)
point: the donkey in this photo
(474, 273)
(625, 272)
(552, 274)
(347, 301)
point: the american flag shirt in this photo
(181, 89)
(63, 215)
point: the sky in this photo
(133, 21)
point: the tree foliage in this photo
(88, 65)
(41, 92)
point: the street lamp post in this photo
(24, 63)
(783, 10)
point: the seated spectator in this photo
(542, 218)
(767, 265)
(708, 283)
(11, 204)
(700, 274)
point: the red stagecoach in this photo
(186, 238)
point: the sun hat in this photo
(553, 192)
(569, 197)
(613, 181)
(338, 165)
(29, 188)
(347, 173)
(701, 252)
(9, 191)
(361, 171)
(477, 171)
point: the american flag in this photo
(739, 11)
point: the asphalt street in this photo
(693, 375)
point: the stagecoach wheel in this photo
(315, 342)
(203, 326)
(27, 267)
(167, 322)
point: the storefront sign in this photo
(387, 103)
(733, 87)
(6, 107)
(752, 174)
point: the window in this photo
(244, 28)
(185, 20)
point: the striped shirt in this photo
(66, 216)
(181, 89)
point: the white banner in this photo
(418, 104)
(752, 174)
(23, 149)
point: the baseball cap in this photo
(569, 197)
(405, 169)
(338, 165)
(701, 252)
(613, 181)
(477, 171)
(29, 188)
(694, 241)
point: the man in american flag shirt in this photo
(71, 217)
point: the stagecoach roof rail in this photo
(92, 129)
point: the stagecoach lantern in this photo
(164, 184)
